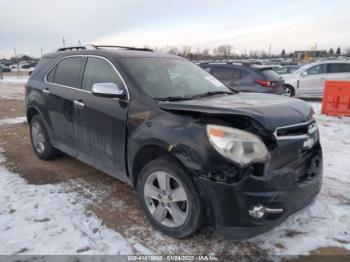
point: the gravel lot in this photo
(66, 207)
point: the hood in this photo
(271, 111)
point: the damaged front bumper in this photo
(279, 192)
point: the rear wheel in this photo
(169, 198)
(40, 139)
(289, 91)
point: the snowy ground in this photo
(14, 79)
(50, 219)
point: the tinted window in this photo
(338, 68)
(67, 71)
(244, 73)
(51, 75)
(98, 70)
(236, 74)
(270, 74)
(223, 73)
(318, 69)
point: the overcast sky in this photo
(29, 25)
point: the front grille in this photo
(297, 131)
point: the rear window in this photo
(269, 74)
(67, 72)
(223, 73)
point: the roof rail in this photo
(123, 47)
(70, 48)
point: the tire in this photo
(177, 219)
(40, 140)
(289, 91)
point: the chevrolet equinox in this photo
(195, 151)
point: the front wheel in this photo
(169, 198)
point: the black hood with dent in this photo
(271, 111)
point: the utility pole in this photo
(41, 51)
(64, 42)
(79, 42)
(17, 64)
(270, 51)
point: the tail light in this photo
(26, 89)
(264, 83)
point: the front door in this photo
(100, 123)
(312, 83)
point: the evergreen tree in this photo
(338, 52)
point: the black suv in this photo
(194, 151)
(246, 77)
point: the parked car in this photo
(285, 70)
(29, 65)
(310, 79)
(194, 151)
(247, 78)
(5, 68)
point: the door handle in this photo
(78, 104)
(46, 91)
(232, 83)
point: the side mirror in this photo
(304, 74)
(111, 90)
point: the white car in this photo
(309, 80)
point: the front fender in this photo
(179, 137)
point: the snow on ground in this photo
(327, 221)
(15, 120)
(44, 219)
(14, 80)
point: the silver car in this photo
(310, 79)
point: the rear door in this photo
(313, 83)
(61, 85)
(338, 71)
(100, 123)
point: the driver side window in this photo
(98, 70)
(318, 69)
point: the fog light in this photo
(259, 211)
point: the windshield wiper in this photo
(179, 98)
(174, 98)
(211, 93)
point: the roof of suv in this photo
(113, 52)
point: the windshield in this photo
(170, 77)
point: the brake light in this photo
(26, 89)
(264, 83)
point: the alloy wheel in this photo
(38, 137)
(166, 199)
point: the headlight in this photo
(239, 146)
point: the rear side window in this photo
(270, 74)
(244, 73)
(223, 73)
(67, 72)
(338, 68)
(98, 70)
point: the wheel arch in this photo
(32, 111)
(150, 152)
